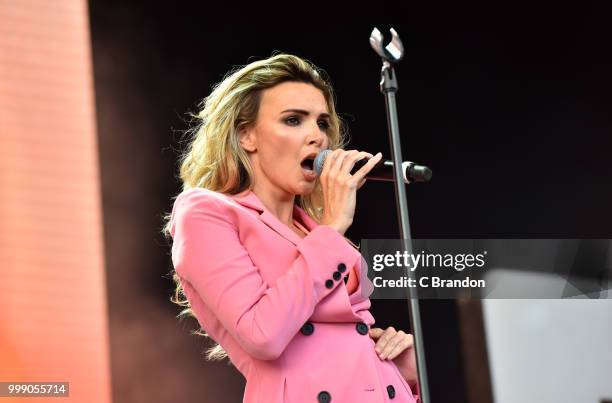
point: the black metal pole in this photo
(388, 86)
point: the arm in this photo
(208, 254)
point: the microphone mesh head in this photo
(320, 160)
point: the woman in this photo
(259, 250)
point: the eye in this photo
(292, 120)
(295, 120)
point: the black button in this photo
(391, 391)
(307, 329)
(341, 267)
(345, 279)
(324, 397)
(337, 275)
(362, 328)
(329, 284)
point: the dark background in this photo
(508, 104)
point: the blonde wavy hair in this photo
(215, 160)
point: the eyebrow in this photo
(306, 113)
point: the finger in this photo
(362, 155)
(363, 171)
(392, 345)
(349, 161)
(361, 183)
(376, 332)
(402, 346)
(337, 157)
(328, 161)
(405, 343)
(384, 339)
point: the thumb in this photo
(376, 332)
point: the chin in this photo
(304, 190)
(303, 193)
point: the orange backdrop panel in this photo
(53, 314)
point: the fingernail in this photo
(379, 153)
(377, 350)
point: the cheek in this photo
(281, 151)
(281, 157)
(277, 152)
(270, 148)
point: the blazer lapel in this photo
(271, 221)
(249, 199)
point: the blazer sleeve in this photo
(208, 254)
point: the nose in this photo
(317, 137)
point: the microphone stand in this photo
(391, 54)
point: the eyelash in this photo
(325, 124)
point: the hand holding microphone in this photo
(340, 185)
(342, 173)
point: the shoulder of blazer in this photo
(248, 203)
(244, 199)
(193, 198)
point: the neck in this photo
(278, 203)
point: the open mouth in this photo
(308, 163)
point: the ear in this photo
(247, 139)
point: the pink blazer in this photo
(277, 303)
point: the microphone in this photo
(383, 171)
